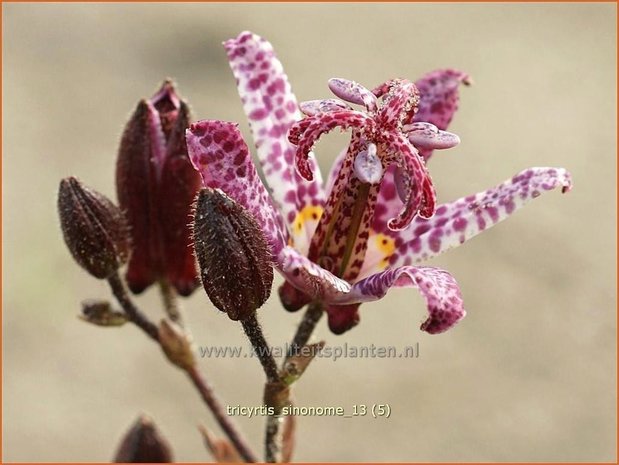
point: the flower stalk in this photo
(135, 315)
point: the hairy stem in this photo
(261, 347)
(216, 407)
(275, 391)
(273, 439)
(306, 327)
(133, 313)
(199, 381)
(170, 302)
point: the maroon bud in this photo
(156, 186)
(94, 229)
(292, 299)
(233, 255)
(143, 443)
(342, 317)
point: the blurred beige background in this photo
(528, 375)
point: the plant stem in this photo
(170, 302)
(199, 381)
(261, 347)
(306, 327)
(275, 391)
(273, 439)
(214, 404)
(133, 313)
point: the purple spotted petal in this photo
(439, 98)
(314, 107)
(308, 277)
(219, 153)
(335, 170)
(427, 136)
(438, 288)
(353, 92)
(271, 108)
(457, 222)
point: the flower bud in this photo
(233, 255)
(94, 229)
(101, 313)
(156, 186)
(176, 344)
(143, 443)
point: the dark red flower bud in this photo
(156, 186)
(94, 229)
(235, 263)
(292, 299)
(143, 443)
(342, 317)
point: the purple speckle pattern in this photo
(438, 99)
(427, 136)
(456, 222)
(219, 153)
(272, 108)
(382, 125)
(439, 289)
(405, 125)
(313, 107)
(309, 277)
(335, 239)
(353, 92)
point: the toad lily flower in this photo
(380, 215)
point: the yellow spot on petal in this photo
(303, 227)
(385, 246)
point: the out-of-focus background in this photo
(528, 375)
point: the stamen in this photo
(354, 93)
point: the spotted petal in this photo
(272, 108)
(310, 278)
(439, 99)
(457, 222)
(219, 153)
(439, 289)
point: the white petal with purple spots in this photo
(457, 222)
(219, 153)
(439, 289)
(271, 108)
